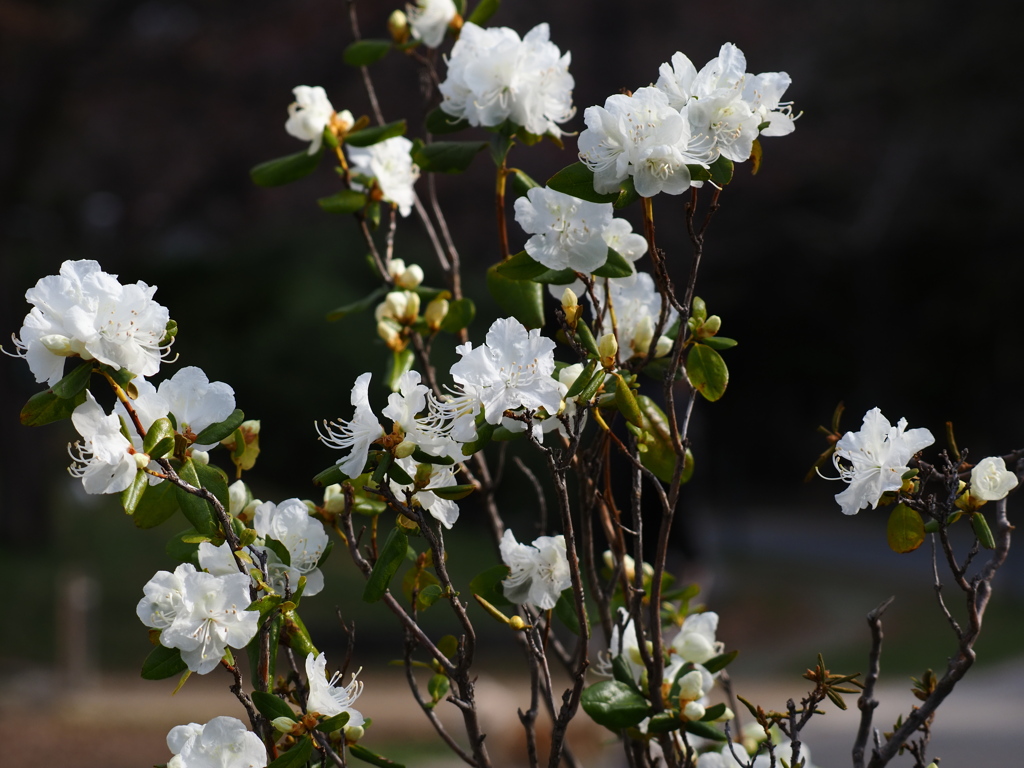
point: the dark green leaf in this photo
(376, 134)
(399, 475)
(460, 314)
(391, 556)
(488, 585)
(364, 52)
(214, 480)
(720, 661)
(659, 455)
(159, 438)
(628, 195)
(622, 672)
(421, 457)
(285, 170)
(438, 122)
(222, 429)
(585, 337)
(329, 476)
(447, 156)
(483, 11)
(521, 183)
(704, 730)
(336, 723)
(614, 705)
(438, 687)
(555, 277)
(587, 393)
(578, 180)
(699, 173)
(295, 757)
(46, 408)
(346, 201)
(157, 505)
(280, 550)
(271, 707)
(453, 492)
(565, 610)
(132, 495)
(707, 372)
(359, 306)
(721, 171)
(714, 712)
(905, 530)
(664, 722)
(982, 531)
(74, 382)
(196, 509)
(181, 550)
(372, 758)
(483, 437)
(399, 364)
(427, 596)
(719, 342)
(522, 266)
(163, 663)
(582, 380)
(616, 266)
(522, 299)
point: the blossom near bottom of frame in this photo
(224, 742)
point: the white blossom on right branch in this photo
(539, 572)
(991, 480)
(309, 115)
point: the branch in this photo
(867, 703)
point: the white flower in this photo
(390, 162)
(355, 435)
(104, 458)
(197, 402)
(624, 643)
(511, 370)
(429, 20)
(444, 510)
(220, 561)
(567, 232)
(494, 76)
(696, 639)
(725, 758)
(991, 480)
(620, 237)
(407, 277)
(309, 115)
(164, 597)
(224, 742)
(636, 304)
(878, 456)
(303, 536)
(212, 616)
(538, 572)
(325, 697)
(87, 313)
(644, 137)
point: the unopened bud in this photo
(571, 307)
(693, 711)
(334, 499)
(410, 277)
(699, 310)
(398, 26)
(249, 513)
(663, 347)
(436, 312)
(200, 457)
(354, 733)
(607, 348)
(726, 716)
(691, 686)
(643, 335)
(141, 459)
(238, 497)
(57, 344)
(423, 474)
(711, 326)
(392, 338)
(342, 122)
(283, 724)
(405, 449)
(516, 622)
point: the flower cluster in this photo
(494, 76)
(223, 742)
(538, 572)
(199, 613)
(85, 312)
(687, 118)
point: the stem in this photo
(499, 210)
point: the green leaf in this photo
(196, 509)
(721, 170)
(429, 595)
(295, 757)
(460, 314)
(336, 723)
(586, 337)
(555, 277)
(222, 429)
(488, 585)
(587, 393)
(483, 11)
(522, 266)
(45, 408)
(699, 173)
(614, 705)
(447, 156)
(522, 299)
(159, 438)
(622, 673)
(330, 476)
(438, 122)
(74, 382)
(628, 195)
(399, 475)
(578, 180)
(346, 201)
(905, 530)
(721, 661)
(271, 707)
(706, 371)
(362, 53)
(704, 730)
(448, 645)
(420, 457)
(132, 495)
(391, 556)
(376, 134)
(582, 380)
(359, 306)
(453, 492)
(659, 455)
(565, 610)
(285, 170)
(438, 687)
(714, 712)
(163, 663)
(181, 550)
(156, 505)
(483, 437)
(521, 183)
(625, 400)
(719, 342)
(280, 550)
(215, 480)
(616, 266)
(400, 363)
(362, 753)
(982, 531)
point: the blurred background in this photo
(874, 260)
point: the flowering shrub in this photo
(644, 659)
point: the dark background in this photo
(874, 259)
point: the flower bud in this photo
(517, 623)
(249, 513)
(607, 348)
(711, 326)
(405, 449)
(691, 686)
(392, 338)
(663, 347)
(238, 497)
(693, 711)
(354, 733)
(726, 716)
(57, 344)
(342, 122)
(436, 312)
(699, 309)
(283, 724)
(200, 457)
(423, 474)
(141, 460)
(410, 277)
(398, 26)
(334, 499)
(643, 335)
(571, 307)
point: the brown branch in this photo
(867, 703)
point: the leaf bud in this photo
(711, 326)
(693, 711)
(436, 312)
(607, 348)
(699, 310)
(334, 499)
